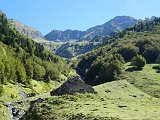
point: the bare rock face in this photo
(72, 86)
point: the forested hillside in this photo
(21, 59)
(105, 63)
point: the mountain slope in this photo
(105, 63)
(22, 59)
(113, 26)
(26, 30)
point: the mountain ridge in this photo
(113, 25)
(26, 30)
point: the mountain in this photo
(26, 30)
(113, 26)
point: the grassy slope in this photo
(147, 80)
(118, 99)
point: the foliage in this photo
(158, 59)
(142, 39)
(22, 59)
(138, 61)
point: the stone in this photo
(73, 85)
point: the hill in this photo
(113, 26)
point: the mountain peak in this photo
(26, 30)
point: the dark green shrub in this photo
(138, 61)
(110, 72)
(151, 54)
(158, 59)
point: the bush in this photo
(110, 72)
(158, 59)
(156, 67)
(151, 54)
(138, 61)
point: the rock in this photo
(39, 100)
(72, 86)
(17, 113)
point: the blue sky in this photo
(46, 15)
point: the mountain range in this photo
(113, 26)
(80, 42)
(109, 28)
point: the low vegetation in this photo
(138, 61)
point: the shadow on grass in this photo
(131, 69)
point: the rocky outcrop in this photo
(15, 109)
(72, 86)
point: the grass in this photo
(4, 115)
(114, 100)
(134, 96)
(147, 80)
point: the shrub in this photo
(110, 72)
(138, 61)
(158, 59)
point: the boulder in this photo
(73, 85)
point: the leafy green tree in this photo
(138, 61)
(1, 71)
(110, 72)
(29, 68)
(20, 72)
(38, 72)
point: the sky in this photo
(46, 15)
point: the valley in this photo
(108, 72)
